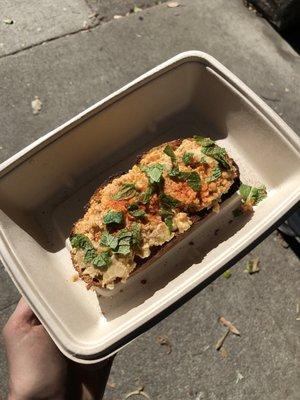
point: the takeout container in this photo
(44, 187)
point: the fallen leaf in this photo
(94, 15)
(173, 4)
(223, 352)
(239, 377)
(118, 16)
(252, 266)
(8, 21)
(36, 105)
(136, 9)
(220, 342)
(111, 384)
(164, 341)
(229, 325)
(227, 274)
(281, 240)
(138, 392)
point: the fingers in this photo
(22, 316)
(23, 311)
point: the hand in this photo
(36, 367)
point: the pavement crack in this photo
(91, 23)
(83, 29)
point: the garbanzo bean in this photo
(212, 186)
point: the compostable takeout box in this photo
(44, 187)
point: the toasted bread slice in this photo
(135, 217)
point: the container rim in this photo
(94, 353)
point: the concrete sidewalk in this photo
(76, 67)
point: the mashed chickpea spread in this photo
(146, 207)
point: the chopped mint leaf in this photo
(216, 174)
(89, 255)
(193, 180)
(80, 241)
(167, 217)
(204, 141)
(132, 207)
(175, 173)
(123, 249)
(169, 222)
(168, 201)
(102, 260)
(187, 158)
(136, 235)
(138, 213)
(124, 242)
(252, 195)
(113, 217)
(146, 196)
(127, 191)
(170, 152)
(109, 240)
(154, 172)
(165, 212)
(218, 153)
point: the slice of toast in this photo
(133, 218)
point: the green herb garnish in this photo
(192, 178)
(124, 242)
(216, 174)
(99, 260)
(113, 217)
(109, 240)
(102, 260)
(218, 153)
(133, 207)
(136, 235)
(139, 214)
(168, 201)
(167, 217)
(165, 212)
(80, 241)
(204, 141)
(252, 195)
(169, 222)
(127, 191)
(146, 196)
(154, 172)
(176, 174)
(187, 158)
(170, 152)
(135, 211)
(89, 255)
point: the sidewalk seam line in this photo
(94, 25)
